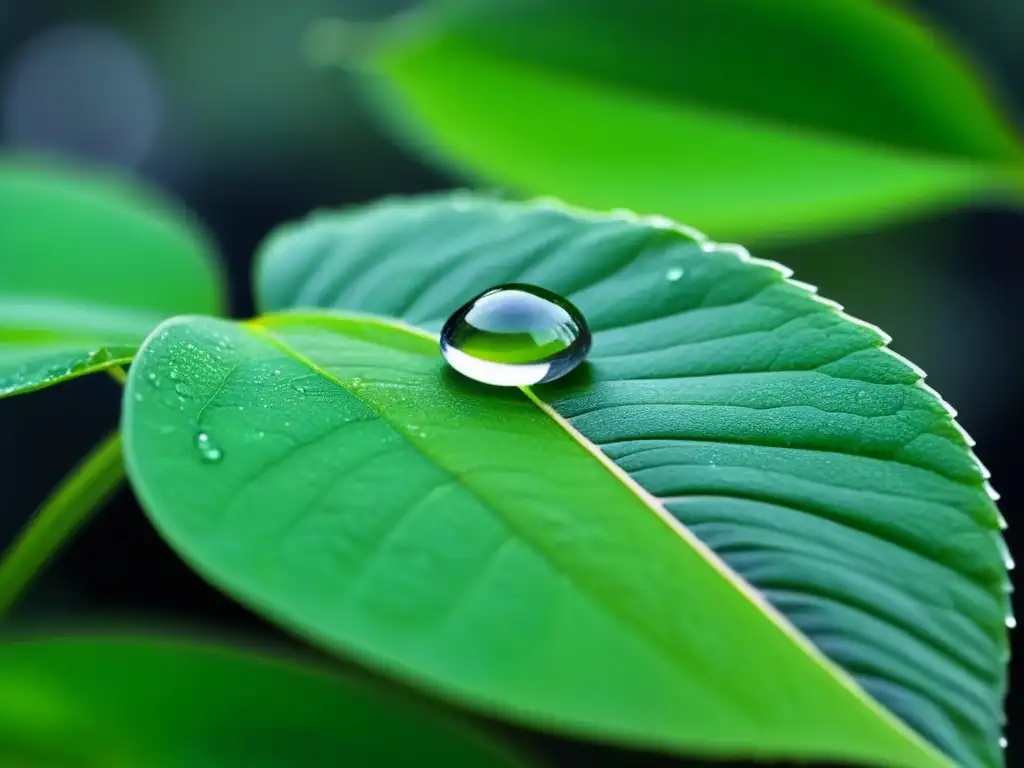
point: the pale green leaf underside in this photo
(785, 435)
(122, 702)
(331, 473)
(89, 264)
(742, 117)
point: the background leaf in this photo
(89, 264)
(781, 431)
(116, 702)
(743, 117)
(330, 473)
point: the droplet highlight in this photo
(209, 451)
(515, 335)
(674, 274)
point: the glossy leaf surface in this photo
(783, 433)
(331, 473)
(89, 264)
(125, 702)
(743, 117)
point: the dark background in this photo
(229, 105)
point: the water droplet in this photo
(151, 376)
(674, 274)
(1011, 622)
(138, 397)
(184, 390)
(261, 434)
(515, 335)
(209, 451)
(1003, 742)
(241, 407)
(277, 371)
(174, 375)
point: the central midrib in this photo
(262, 328)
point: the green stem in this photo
(82, 491)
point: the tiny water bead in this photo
(515, 335)
(209, 451)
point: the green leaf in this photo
(330, 473)
(743, 117)
(120, 702)
(89, 264)
(779, 430)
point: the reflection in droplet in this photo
(674, 274)
(209, 451)
(515, 335)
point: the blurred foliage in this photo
(126, 702)
(94, 262)
(743, 118)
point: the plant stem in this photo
(81, 492)
(117, 374)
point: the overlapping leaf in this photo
(89, 264)
(784, 434)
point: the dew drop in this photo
(277, 371)
(174, 375)
(674, 274)
(209, 451)
(151, 376)
(1003, 742)
(515, 335)
(1011, 622)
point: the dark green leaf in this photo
(89, 264)
(816, 462)
(743, 117)
(126, 703)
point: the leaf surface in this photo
(743, 117)
(783, 433)
(120, 702)
(89, 264)
(331, 473)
